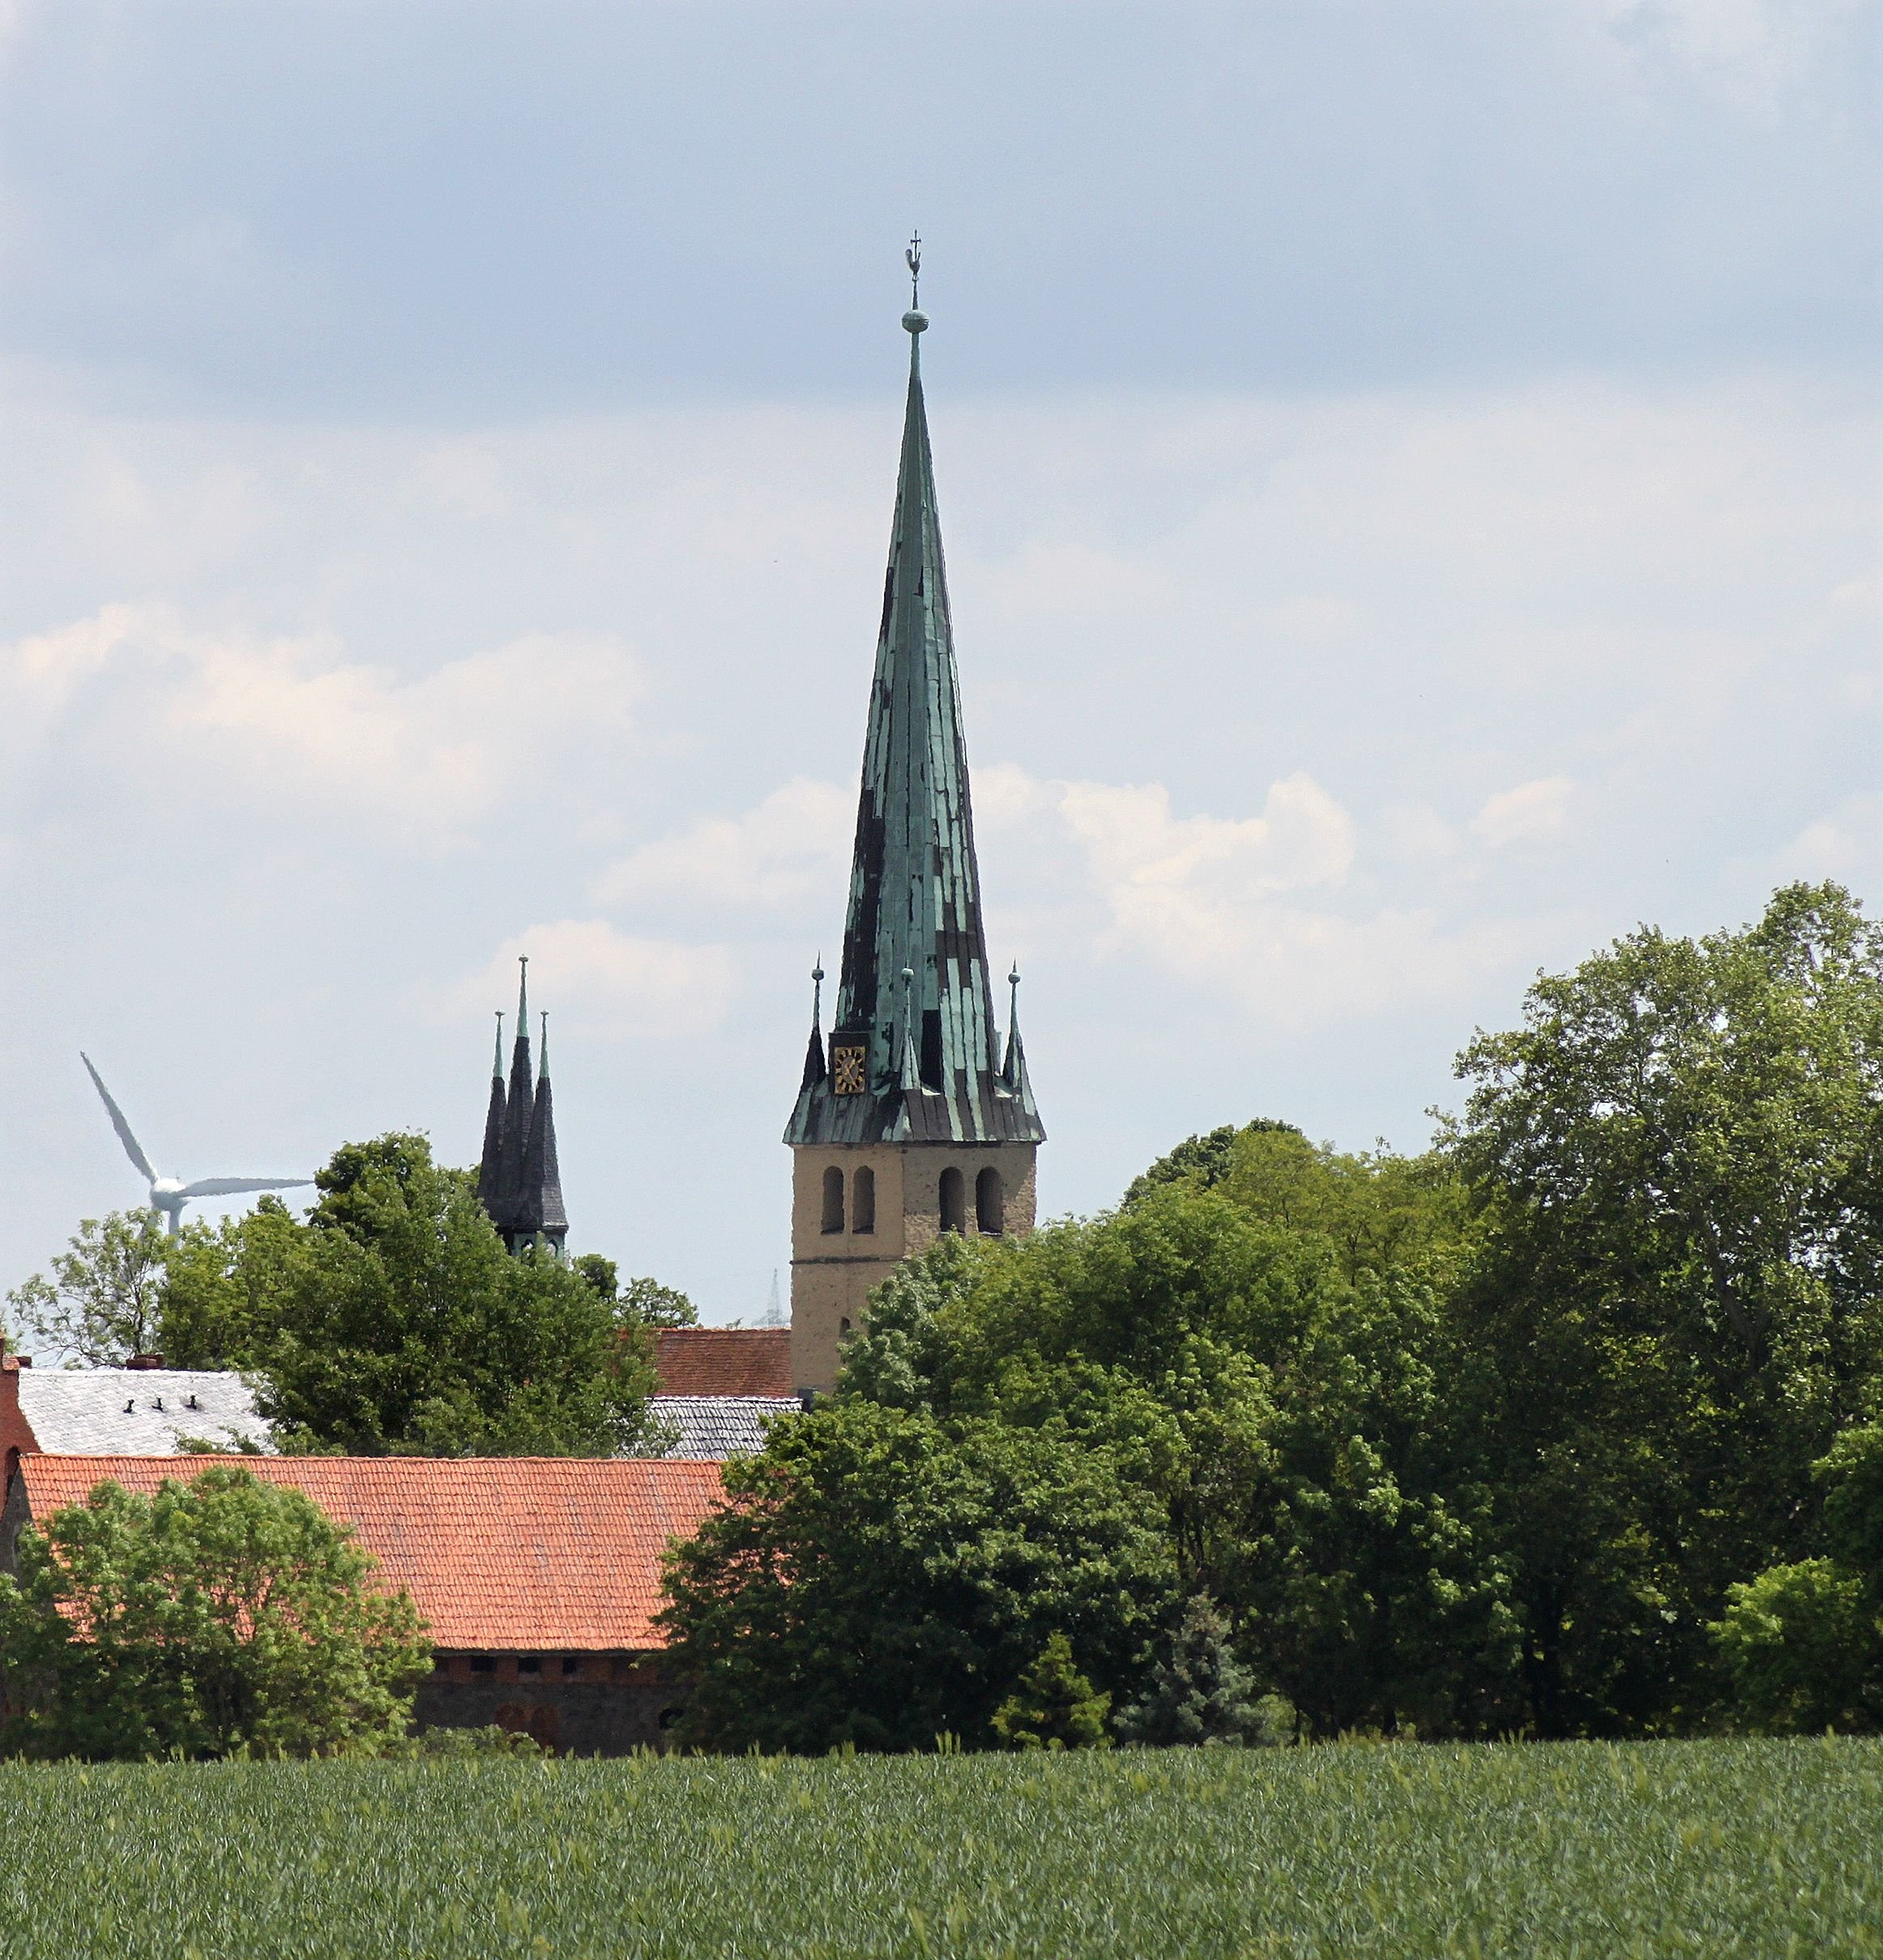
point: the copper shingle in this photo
(499, 1553)
(724, 1361)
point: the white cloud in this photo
(289, 715)
(1527, 814)
(608, 984)
(792, 847)
(1143, 855)
(45, 669)
(1415, 832)
(1844, 843)
(1252, 907)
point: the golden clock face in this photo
(847, 1070)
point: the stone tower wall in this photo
(832, 1272)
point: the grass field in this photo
(1710, 1849)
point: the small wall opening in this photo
(989, 1201)
(954, 1201)
(931, 1057)
(833, 1199)
(863, 1200)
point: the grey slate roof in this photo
(715, 1427)
(933, 1072)
(76, 1411)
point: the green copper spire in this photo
(931, 1066)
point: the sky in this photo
(1410, 477)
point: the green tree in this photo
(1303, 1439)
(1804, 1643)
(223, 1286)
(224, 1615)
(1850, 1474)
(1201, 1693)
(393, 1319)
(1053, 1706)
(1200, 1162)
(646, 1303)
(102, 1303)
(878, 1577)
(403, 1326)
(600, 1271)
(1375, 1209)
(894, 1358)
(1676, 1296)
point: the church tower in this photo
(519, 1179)
(914, 1122)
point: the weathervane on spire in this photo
(915, 319)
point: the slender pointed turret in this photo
(814, 1069)
(916, 1124)
(522, 1097)
(1013, 1068)
(539, 1200)
(490, 1166)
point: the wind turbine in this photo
(169, 1195)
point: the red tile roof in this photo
(724, 1360)
(499, 1553)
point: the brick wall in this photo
(16, 1435)
(609, 1705)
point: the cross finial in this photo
(913, 256)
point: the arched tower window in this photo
(989, 1201)
(863, 1200)
(833, 1199)
(954, 1201)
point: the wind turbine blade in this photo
(227, 1187)
(132, 1148)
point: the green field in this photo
(1702, 1848)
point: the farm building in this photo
(720, 1386)
(538, 1577)
(144, 1409)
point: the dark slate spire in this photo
(516, 1123)
(490, 1166)
(920, 1061)
(519, 1181)
(539, 1202)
